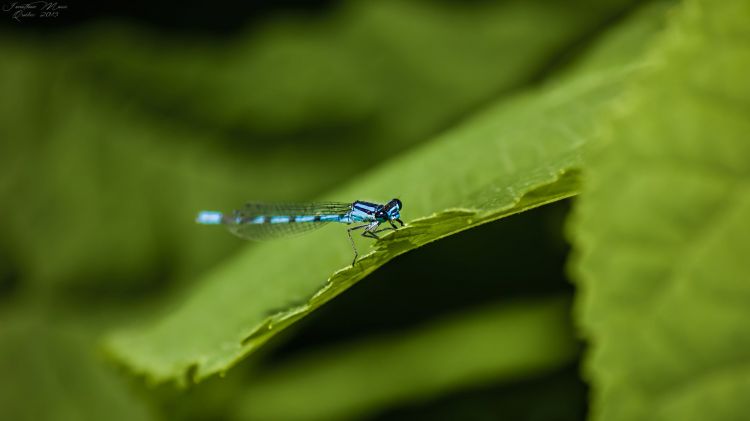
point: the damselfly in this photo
(261, 221)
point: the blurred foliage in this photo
(112, 136)
(530, 337)
(561, 393)
(51, 373)
(662, 231)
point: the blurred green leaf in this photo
(496, 344)
(663, 233)
(390, 72)
(105, 196)
(49, 372)
(114, 136)
(517, 155)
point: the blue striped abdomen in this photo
(282, 219)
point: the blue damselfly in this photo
(261, 221)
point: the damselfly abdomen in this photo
(261, 221)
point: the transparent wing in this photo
(254, 209)
(242, 223)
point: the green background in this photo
(626, 302)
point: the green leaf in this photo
(662, 230)
(517, 155)
(49, 372)
(497, 344)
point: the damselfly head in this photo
(393, 209)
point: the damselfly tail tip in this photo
(209, 218)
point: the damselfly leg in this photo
(371, 234)
(371, 231)
(351, 240)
